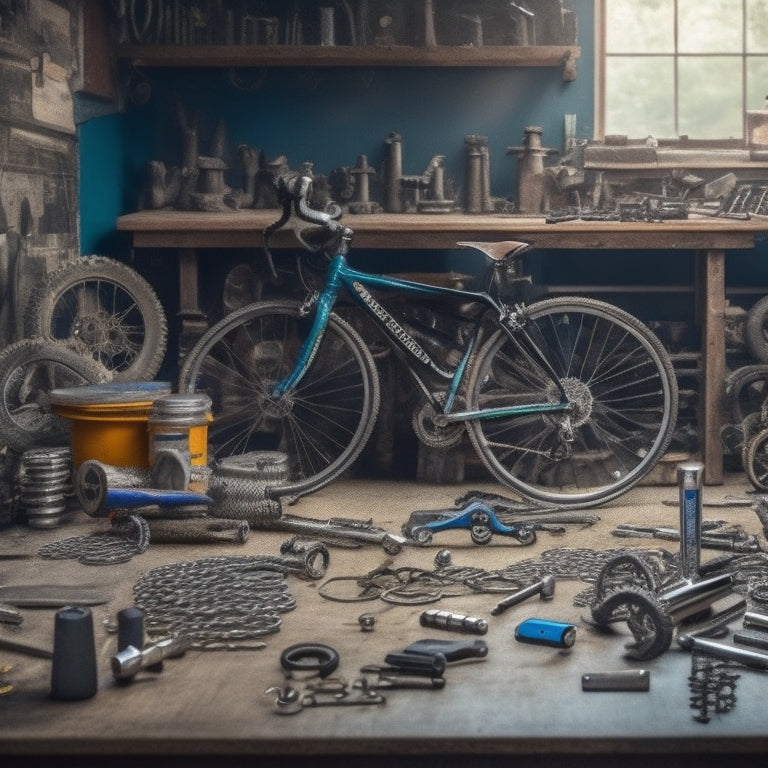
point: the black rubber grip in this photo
(426, 665)
(453, 650)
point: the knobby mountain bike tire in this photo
(322, 425)
(108, 307)
(624, 393)
(29, 370)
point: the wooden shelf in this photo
(353, 56)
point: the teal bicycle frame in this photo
(341, 276)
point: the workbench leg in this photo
(193, 322)
(711, 296)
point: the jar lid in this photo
(181, 404)
(110, 392)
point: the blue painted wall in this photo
(329, 116)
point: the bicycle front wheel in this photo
(321, 425)
(623, 392)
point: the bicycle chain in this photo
(128, 536)
(222, 602)
(414, 585)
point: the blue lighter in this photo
(544, 632)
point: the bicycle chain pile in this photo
(219, 603)
(128, 536)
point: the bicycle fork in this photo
(322, 306)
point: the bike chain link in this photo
(222, 602)
(129, 536)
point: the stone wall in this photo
(38, 148)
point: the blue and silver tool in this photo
(689, 477)
(555, 634)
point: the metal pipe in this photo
(688, 598)
(724, 651)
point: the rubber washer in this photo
(310, 657)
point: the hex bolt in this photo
(131, 660)
(545, 588)
(367, 622)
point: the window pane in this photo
(640, 97)
(757, 26)
(757, 82)
(639, 27)
(713, 26)
(710, 98)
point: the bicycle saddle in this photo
(499, 250)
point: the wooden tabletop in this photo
(243, 229)
(521, 699)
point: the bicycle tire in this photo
(321, 426)
(646, 616)
(756, 330)
(746, 390)
(29, 370)
(756, 460)
(107, 306)
(619, 378)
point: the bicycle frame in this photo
(356, 283)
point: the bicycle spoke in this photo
(623, 398)
(321, 424)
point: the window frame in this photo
(601, 56)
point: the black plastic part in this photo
(453, 650)
(130, 628)
(425, 665)
(73, 673)
(752, 637)
(310, 657)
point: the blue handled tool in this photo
(134, 498)
(479, 518)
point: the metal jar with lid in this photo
(179, 423)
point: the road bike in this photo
(566, 400)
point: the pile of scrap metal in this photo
(586, 191)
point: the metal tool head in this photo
(547, 587)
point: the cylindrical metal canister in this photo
(179, 423)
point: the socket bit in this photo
(454, 622)
(131, 660)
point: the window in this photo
(681, 67)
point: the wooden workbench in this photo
(189, 232)
(522, 702)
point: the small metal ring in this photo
(370, 592)
(310, 657)
(399, 596)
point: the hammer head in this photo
(547, 587)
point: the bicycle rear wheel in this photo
(623, 389)
(322, 425)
